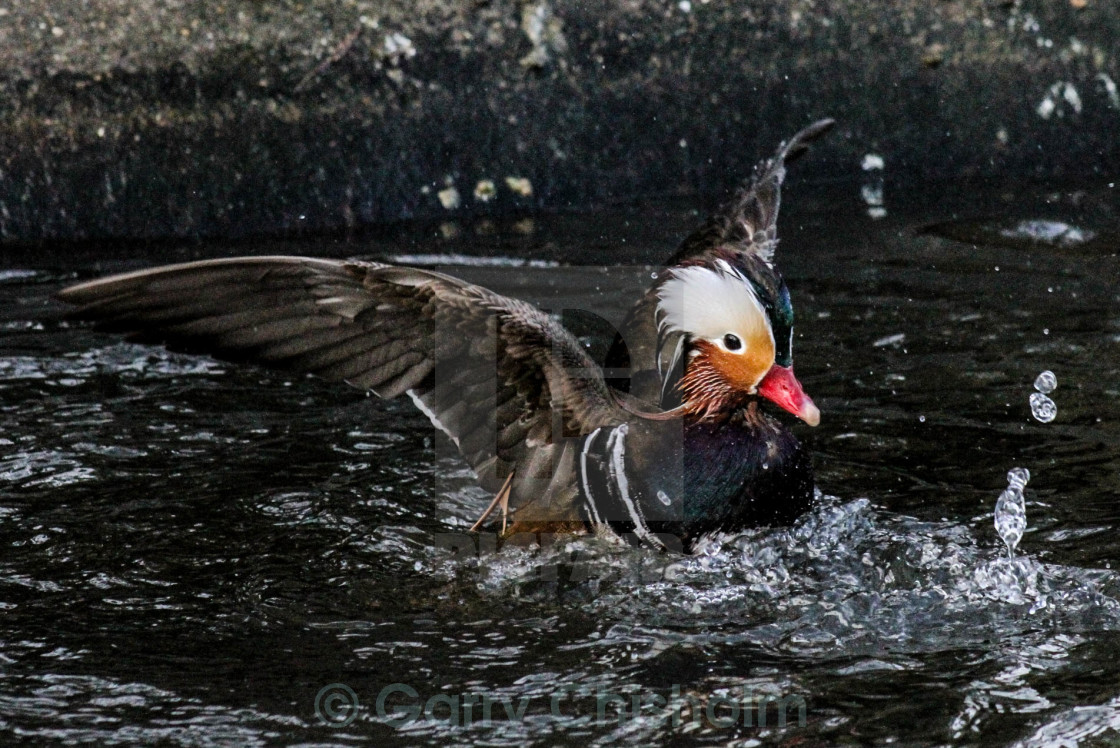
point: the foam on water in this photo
(1048, 232)
(843, 580)
(117, 359)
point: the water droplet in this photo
(1046, 382)
(664, 498)
(1043, 408)
(1018, 477)
(922, 419)
(653, 275)
(872, 161)
(1011, 518)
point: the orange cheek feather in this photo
(744, 370)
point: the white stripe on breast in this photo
(583, 476)
(617, 446)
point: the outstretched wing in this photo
(748, 222)
(501, 378)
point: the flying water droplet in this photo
(1018, 477)
(872, 189)
(1046, 382)
(1043, 408)
(1011, 510)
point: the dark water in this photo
(193, 552)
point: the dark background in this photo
(245, 118)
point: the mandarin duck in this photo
(519, 396)
(739, 238)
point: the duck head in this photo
(728, 321)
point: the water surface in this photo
(194, 551)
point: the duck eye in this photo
(732, 342)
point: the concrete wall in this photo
(234, 117)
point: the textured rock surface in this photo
(228, 118)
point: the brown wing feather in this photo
(502, 378)
(748, 222)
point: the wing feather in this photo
(748, 222)
(503, 378)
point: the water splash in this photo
(1046, 382)
(1043, 408)
(1011, 510)
(846, 576)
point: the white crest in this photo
(710, 302)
